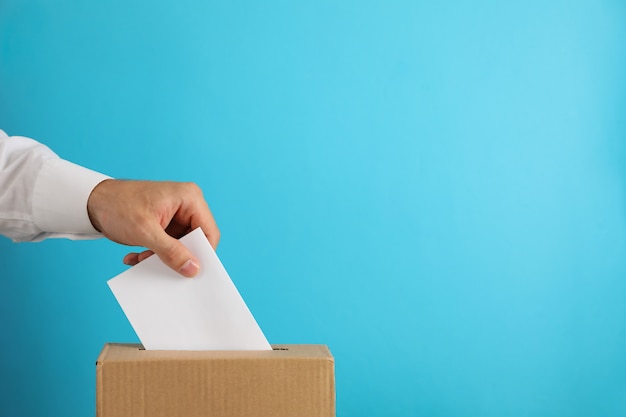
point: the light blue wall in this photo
(436, 190)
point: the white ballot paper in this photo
(169, 311)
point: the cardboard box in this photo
(289, 381)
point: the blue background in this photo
(436, 190)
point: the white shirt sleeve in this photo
(42, 195)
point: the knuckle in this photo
(169, 253)
(192, 187)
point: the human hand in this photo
(152, 214)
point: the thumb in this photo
(175, 255)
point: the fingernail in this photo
(190, 268)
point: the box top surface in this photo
(133, 352)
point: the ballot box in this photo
(288, 381)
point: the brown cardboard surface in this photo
(289, 381)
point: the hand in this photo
(153, 215)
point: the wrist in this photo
(96, 202)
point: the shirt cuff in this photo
(60, 197)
